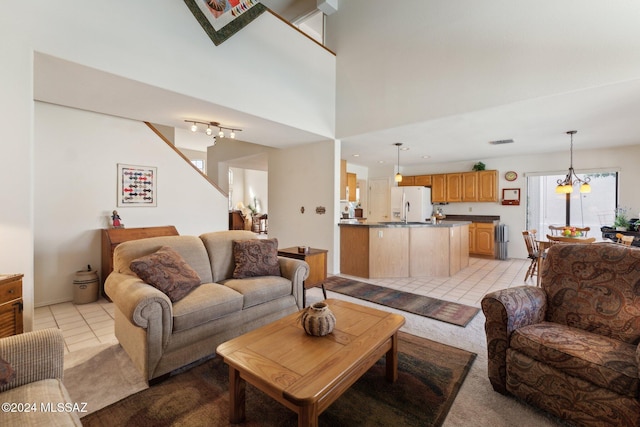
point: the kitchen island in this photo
(383, 249)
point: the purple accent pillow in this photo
(7, 374)
(255, 257)
(167, 271)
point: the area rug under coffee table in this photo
(429, 377)
(445, 311)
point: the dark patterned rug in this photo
(429, 377)
(445, 311)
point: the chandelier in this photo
(565, 186)
(398, 175)
(211, 127)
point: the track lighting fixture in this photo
(209, 130)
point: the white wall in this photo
(624, 159)
(308, 173)
(76, 157)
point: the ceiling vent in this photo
(501, 141)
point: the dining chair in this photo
(624, 240)
(561, 239)
(556, 229)
(532, 248)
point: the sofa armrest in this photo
(297, 271)
(140, 302)
(505, 311)
(34, 356)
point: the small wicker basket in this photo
(318, 320)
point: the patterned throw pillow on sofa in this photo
(255, 257)
(167, 271)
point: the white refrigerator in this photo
(414, 202)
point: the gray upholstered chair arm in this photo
(297, 271)
(138, 301)
(34, 356)
(505, 311)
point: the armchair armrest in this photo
(34, 356)
(140, 302)
(505, 311)
(297, 271)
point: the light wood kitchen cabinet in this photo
(470, 187)
(438, 251)
(482, 239)
(352, 183)
(343, 180)
(354, 251)
(487, 183)
(438, 188)
(454, 187)
(423, 180)
(407, 181)
(389, 252)
(476, 186)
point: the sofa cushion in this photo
(257, 290)
(190, 248)
(219, 245)
(255, 258)
(7, 374)
(208, 302)
(50, 392)
(167, 271)
(606, 362)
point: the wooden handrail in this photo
(186, 159)
(301, 32)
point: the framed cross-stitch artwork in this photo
(137, 185)
(221, 19)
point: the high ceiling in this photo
(604, 115)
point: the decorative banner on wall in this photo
(221, 19)
(137, 185)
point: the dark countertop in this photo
(474, 218)
(397, 224)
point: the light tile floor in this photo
(83, 325)
(87, 325)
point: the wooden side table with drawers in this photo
(11, 304)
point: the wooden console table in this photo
(11, 304)
(112, 237)
(317, 260)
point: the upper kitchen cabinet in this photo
(438, 188)
(352, 184)
(454, 187)
(423, 180)
(407, 181)
(488, 186)
(480, 186)
(470, 187)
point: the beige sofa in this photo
(37, 358)
(161, 336)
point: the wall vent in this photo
(501, 141)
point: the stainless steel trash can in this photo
(86, 286)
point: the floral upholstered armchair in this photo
(570, 347)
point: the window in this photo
(199, 164)
(545, 207)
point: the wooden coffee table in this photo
(305, 373)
